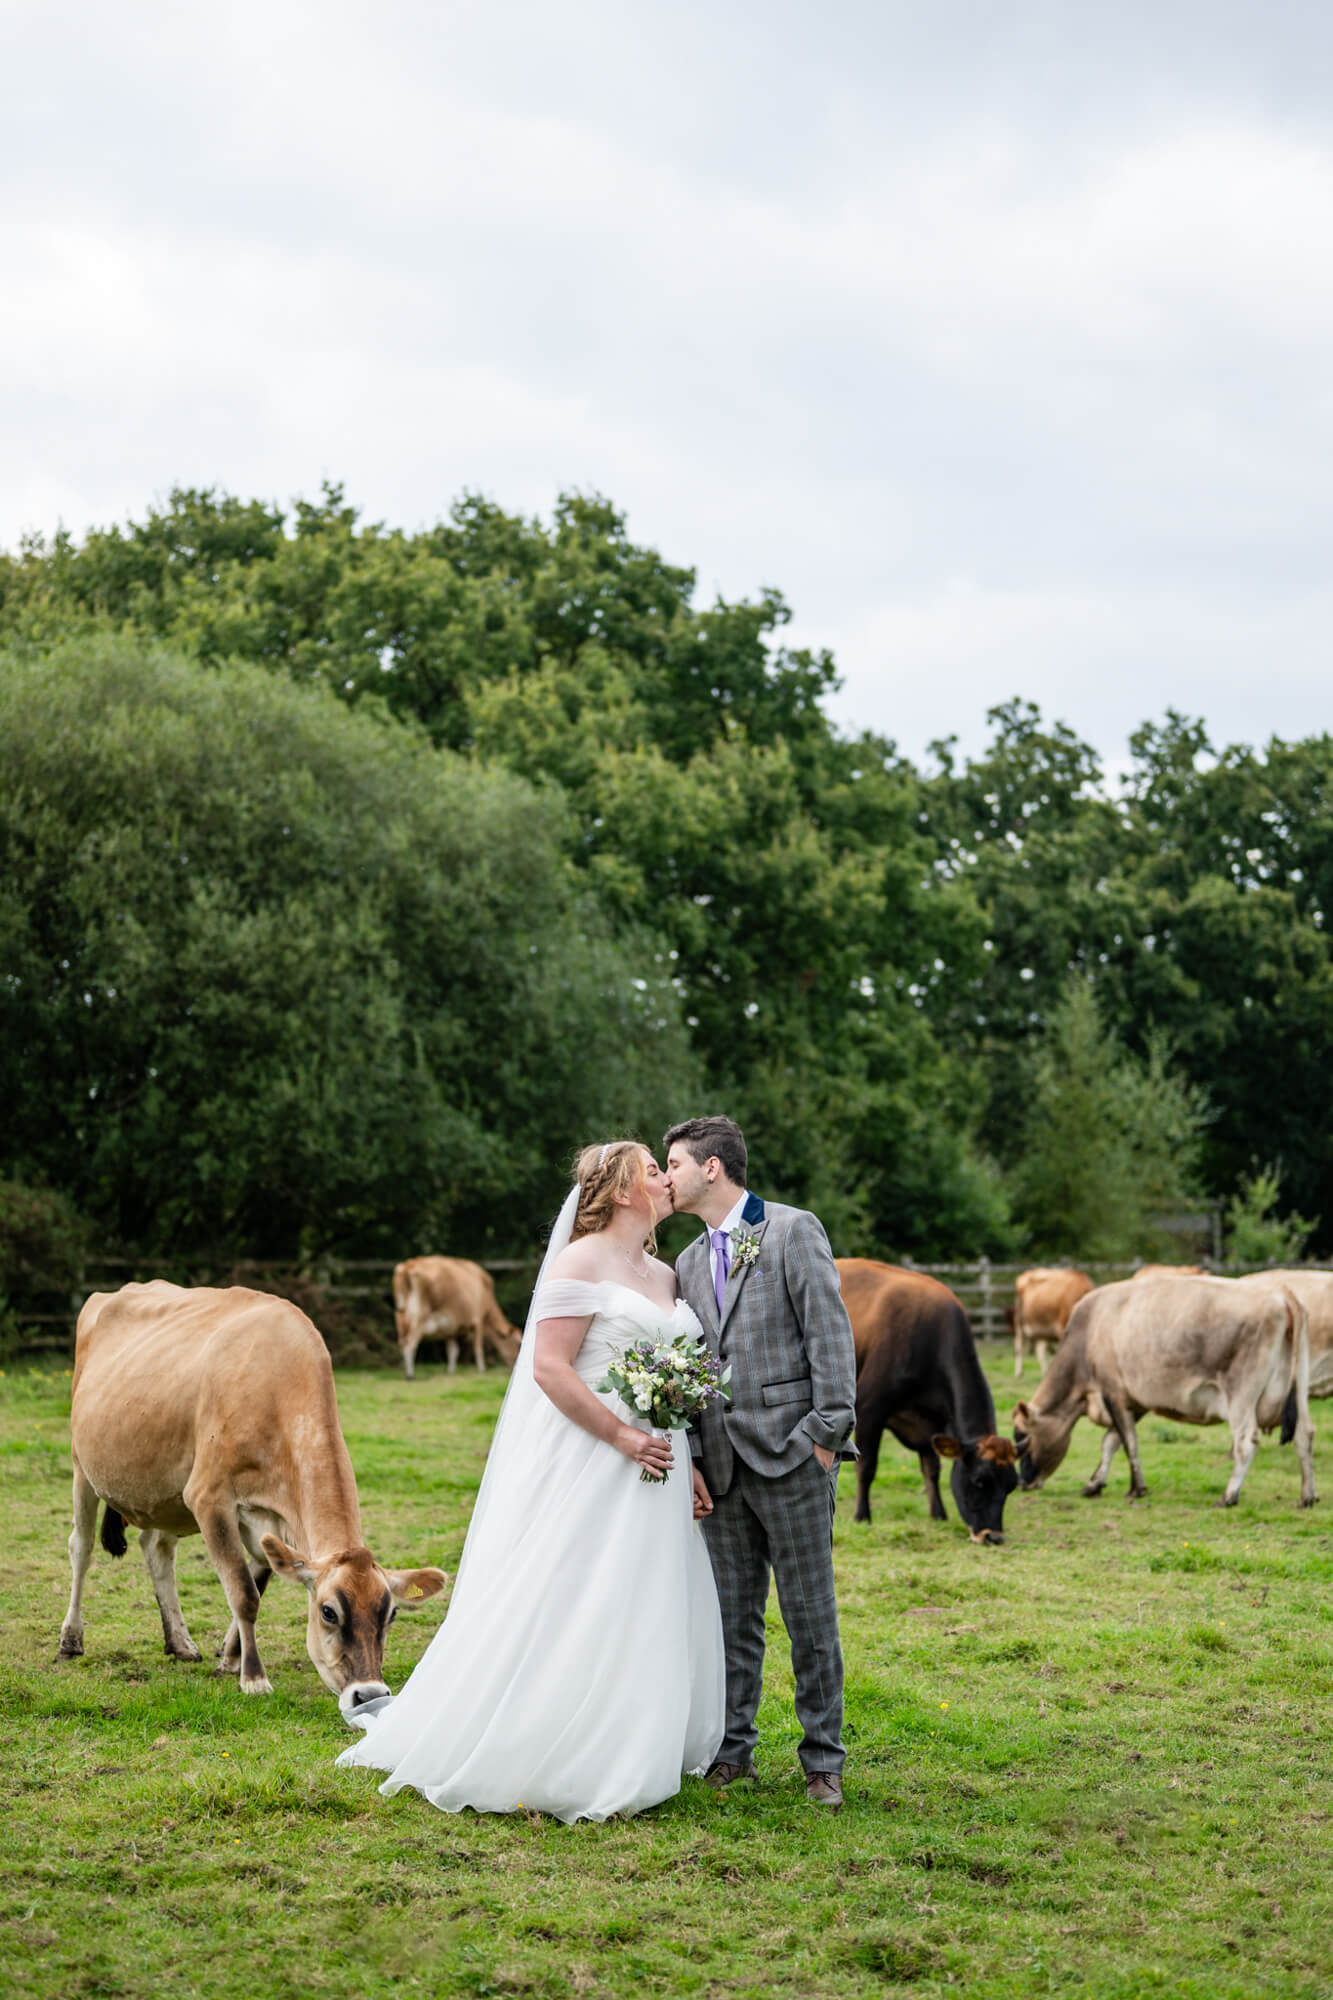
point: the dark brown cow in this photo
(449, 1299)
(917, 1375)
(214, 1413)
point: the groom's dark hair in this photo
(713, 1138)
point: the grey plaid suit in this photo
(784, 1329)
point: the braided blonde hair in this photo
(601, 1173)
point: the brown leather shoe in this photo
(824, 1788)
(719, 1776)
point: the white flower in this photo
(643, 1400)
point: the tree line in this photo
(350, 877)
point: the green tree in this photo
(1111, 1143)
(278, 973)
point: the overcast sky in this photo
(997, 337)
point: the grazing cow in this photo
(1201, 1350)
(1043, 1302)
(1168, 1271)
(917, 1375)
(213, 1413)
(1314, 1289)
(449, 1299)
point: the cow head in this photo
(353, 1602)
(982, 1477)
(1041, 1440)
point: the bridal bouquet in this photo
(667, 1381)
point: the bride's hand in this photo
(651, 1453)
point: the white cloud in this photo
(1006, 363)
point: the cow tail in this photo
(113, 1533)
(1297, 1325)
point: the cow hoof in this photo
(1092, 1492)
(262, 1685)
(1139, 1493)
(863, 1518)
(1313, 1501)
(228, 1666)
(189, 1651)
(70, 1649)
(1228, 1500)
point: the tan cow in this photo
(1201, 1350)
(1043, 1301)
(1168, 1271)
(1314, 1289)
(213, 1413)
(449, 1299)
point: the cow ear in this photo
(1000, 1451)
(414, 1586)
(947, 1447)
(286, 1562)
(1022, 1417)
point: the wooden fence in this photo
(46, 1319)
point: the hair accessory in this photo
(601, 1157)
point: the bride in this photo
(580, 1668)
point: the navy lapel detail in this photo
(753, 1210)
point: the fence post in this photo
(983, 1279)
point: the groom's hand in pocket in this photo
(825, 1457)
(703, 1499)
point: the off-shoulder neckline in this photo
(615, 1285)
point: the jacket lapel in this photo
(699, 1250)
(754, 1222)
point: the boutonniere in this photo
(744, 1251)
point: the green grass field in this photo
(1098, 1760)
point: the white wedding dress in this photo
(579, 1670)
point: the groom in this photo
(764, 1285)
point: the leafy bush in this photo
(1256, 1233)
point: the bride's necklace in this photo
(639, 1270)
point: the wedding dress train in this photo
(579, 1670)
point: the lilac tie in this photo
(721, 1267)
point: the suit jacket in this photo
(785, 1331)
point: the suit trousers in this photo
(785, 1524)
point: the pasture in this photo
(1098, 1760)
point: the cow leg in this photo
(229, 1654)
(1129, 1437)
(1097, 1484)
(410, 1357)
(80, 1556)
(1018, 1345)
(1305, 1453)
(1244, 1444)
(867, 1444)
(930, 1472)
(223, 1541)
(451, 1348)
(1045, 1350)
(159, 1554)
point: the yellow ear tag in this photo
(415, 1590)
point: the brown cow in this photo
(1201, 1350)
(1044, 1299)
(213, 1413)
(449, 1299)
(1314, 1289)
(918, 1375)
